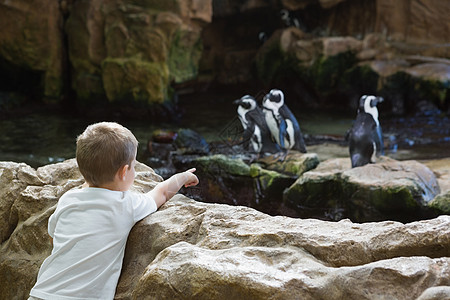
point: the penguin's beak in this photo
(377, 100)
(237, 101)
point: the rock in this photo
(31, 55)
(191, 142)
(131, 79)
(14, 178)
(335, 45)
(216, 251)
(295, 163)
(386, 190)
(436, 293)
(258, 183)
(132, 51)
(163, 136)
(425, 34)
(210, 251)
(441, 168)
(441, 203)
(26, 202)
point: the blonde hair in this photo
(102, 149)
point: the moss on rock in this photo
(184, 55)
(295, 163)
(441, 203)
(143, 82)
(223, 165)
(386, 190)
(360, 79)
(326, 72)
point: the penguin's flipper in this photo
(282, 132)
(299, 142)
(348, 135)
(246, 137)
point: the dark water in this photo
(42, 138)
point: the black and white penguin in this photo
(256, 134)
(282, 123)
(288, 19)
(365, 138)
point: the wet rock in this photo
(189, 141)
(164, 136)
(245, 181)
(230, 180)
(386, 190)
(295, 163)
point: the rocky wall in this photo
(142, 52)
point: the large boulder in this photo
(31, 47)
(131, 51)
(194, 250)
(256, 183)
(383, 52)
(386, 190)
(27, 199)
(441, 168)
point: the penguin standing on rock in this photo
(256, 133)
(365, 137)
(282, 123)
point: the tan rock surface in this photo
(193, 250)
(27, 199)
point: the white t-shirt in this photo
(89, 228)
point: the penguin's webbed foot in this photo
(281, 156)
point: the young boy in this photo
(90, 226)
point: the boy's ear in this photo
(122, 172)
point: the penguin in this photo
(288, 20)
(281, 122)
(365, 138)
(256, 134)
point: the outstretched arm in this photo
(168, 188)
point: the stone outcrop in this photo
(386, 190)
(31, 45)
(117, 50)
(27, 199)
(347, 67)
(131, 51)
(258, 183)
(209, 251)
(194, 250)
